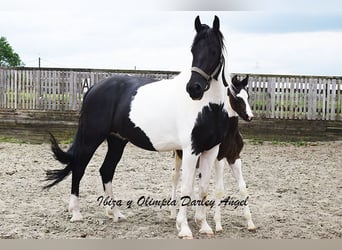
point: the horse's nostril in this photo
(197, 87)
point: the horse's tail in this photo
(57, 175)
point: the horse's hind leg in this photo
(175, 179)
(80, 164)
(115, 149)
(237, 173)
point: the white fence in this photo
(271, 96)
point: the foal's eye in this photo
(240, 100)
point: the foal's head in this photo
(238, 98)
(207, 58)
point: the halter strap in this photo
(208, 77)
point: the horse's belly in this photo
(165, 141)
(162, 136)
(153, 111)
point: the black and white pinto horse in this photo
(229, 152)
(187, 113)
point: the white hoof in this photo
(115, 215)
(119, 217)
(206, 231)
(76, 217)
(185, 234)
(109, 212)
(251, 227)
(205, 228)
(218, 228)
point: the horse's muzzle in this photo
(195, 90)
(249, 118)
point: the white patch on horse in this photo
(112, 212)
(168, 99)
(74, 207)
(244, 96)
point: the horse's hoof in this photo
(76, 218)
(185, 234)
(219, 230)
(186, 237)
(251, 227)
(206, 230)
(208, 233)
(109, 213)
(121, 218)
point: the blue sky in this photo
(278, 37)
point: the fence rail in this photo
(271, 96)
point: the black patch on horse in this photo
(106, 109)
(210, 128)
(232, 144)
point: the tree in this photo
(8, 57)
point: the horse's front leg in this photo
(188, 172)
(237, 173)
(207, 160)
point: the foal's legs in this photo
(188, 172)
(219, 189)
(174, 179)
(207, 160)
(115, 149)
(237, 173)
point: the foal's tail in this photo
(57, 175)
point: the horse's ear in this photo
(198, 25)
(216, 24)
(245, 81)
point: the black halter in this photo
(213, 75)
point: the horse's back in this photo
(107, 104)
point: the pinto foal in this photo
(229, 152)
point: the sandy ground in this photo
(295, 192)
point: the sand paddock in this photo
(295, 192)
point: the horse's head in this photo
(238, 98)
(207, 58)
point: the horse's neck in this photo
(230, 110)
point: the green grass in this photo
(281, 139)
(294, 143)
(12, 140)
(256, 141)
